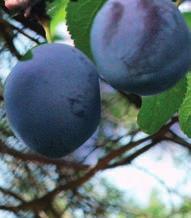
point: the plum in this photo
(52, 100)
(141, 46)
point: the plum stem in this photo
(46, 25)
(179, 2)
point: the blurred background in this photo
(145, 177)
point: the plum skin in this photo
(52, 101)
(141, 46)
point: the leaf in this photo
(185, 110)
(57, 12)
(28, 56)
(187, 17)
(157, 110)
(80, 15)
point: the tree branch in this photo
(39, 159)
(131, 157)
(12, 194)
(43, 202)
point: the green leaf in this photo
(157, 110)
(187, 17)
(185, 110)
(80, 15)
(57, 12)
(28, 56)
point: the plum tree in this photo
(141, 46)
(53, 99)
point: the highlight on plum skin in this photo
(141, 46)
(52, 100)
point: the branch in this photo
(155, 138)
(12, 194)
(23, 33)
(28, 23)
(36, 158)
(102, 164)
(173, 137)
(9, 208)
(43, 202)
(131, 157)
(7, 34)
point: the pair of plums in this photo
(52, 100)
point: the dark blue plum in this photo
(52, 100)
(141, 46)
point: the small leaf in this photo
(28, 56)
(185, 110)
(187, 17)
(80, 15)
(157, 110)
